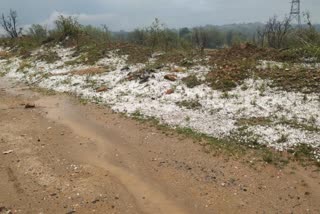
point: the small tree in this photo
(96, 34)
(9, 24)
(261, 36)
(155, 33)
(138, 36)
(107, 32)
(68, 27)
(308, 36)
(38, 32)
(276, 31)
(184, 32)
(170, 39)
(200, 38)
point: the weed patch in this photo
(254, 121)
(294, 79)
(191, 81)
(192, 104)
(49, 57)
(225, 79)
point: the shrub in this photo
(156, 37)
(189, 104)
(307, 53)
(97, 34)
(10, 24)
(191, 81)
(38, 32)
(67, 27)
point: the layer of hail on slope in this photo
(201, 108)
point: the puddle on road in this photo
(61, 109)
(149, 197)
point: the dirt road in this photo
(65, 157)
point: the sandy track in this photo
(70, 158)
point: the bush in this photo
(304, 43)
(156, 37)
(97, 34)
(67, 27)
(138, 36)
(308, 53)
(38, 32)
(191, 81)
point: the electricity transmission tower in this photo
(295, 12)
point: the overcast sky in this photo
(129, 14)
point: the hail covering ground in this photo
(216, 113)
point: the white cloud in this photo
(115, 22)
(129, 14)
(2, 32)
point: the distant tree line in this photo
(275, 33)
(197, 37)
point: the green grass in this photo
(237, 150)
(295, 54)
(191, 81)
(231, 148)
(49, 57)
(295, 124)
(24, 65)
(227, 147)
(191, 104)
(293, 80)
(66, 81)
(214, 145)
(303, 153)
(273, 157)
(254, 121)
(74, 62)
(89, 54)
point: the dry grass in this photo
(254, 121)
(49, 57)
(191, 81)
(227, 78)
(234, 65)
(241, 52)
(89, 71)
(299, 80)
(4, 54)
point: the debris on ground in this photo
(170, 91)
(102, 89)
(171, 77)
(7, 152)
(125, 68)
(4, 210)
(30, 105)
(178, 69)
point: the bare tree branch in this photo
(9, 24)
(275, 32)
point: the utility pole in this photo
(295, 13)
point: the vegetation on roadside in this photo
(277, 40)
(232, 148)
